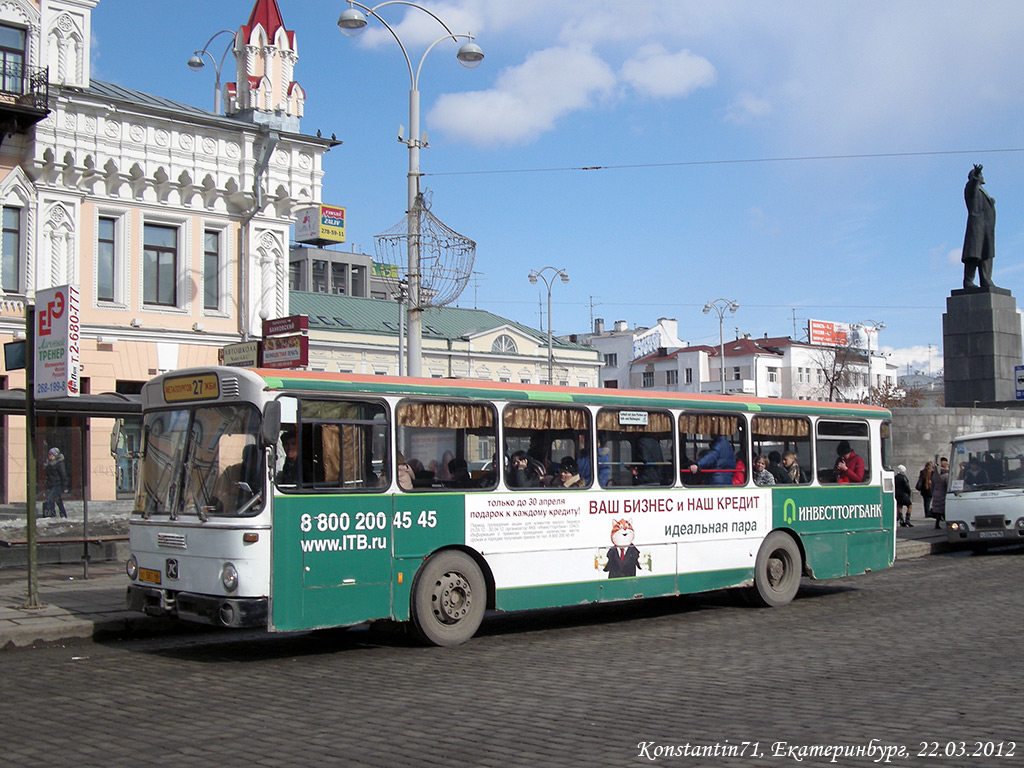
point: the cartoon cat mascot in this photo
(623, 557)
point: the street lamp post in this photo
(196, 63)
(549, 281)
(720, 306)
(351, 22)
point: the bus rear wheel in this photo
(777, 571)
(448, 599)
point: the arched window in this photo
(505, 344)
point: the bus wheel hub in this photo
(452, 598)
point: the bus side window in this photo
(639, 446)
(846, 441)
(338, 445)
(448, 444)
(547, 434)
(717, 445)
(786, 441)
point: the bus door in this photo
(332, 547)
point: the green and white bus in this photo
(297, 500)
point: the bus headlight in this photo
(229, 577)
(957, 526)
(131, 567)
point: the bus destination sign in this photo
(201, 387)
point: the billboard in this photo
(320, 225)
(830, 334)
(57, 353)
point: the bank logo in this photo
(789, 512)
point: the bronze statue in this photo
(980, 238)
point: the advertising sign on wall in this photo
(57, 353)
(285, 351)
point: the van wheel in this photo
(449, 598)
(777, 571)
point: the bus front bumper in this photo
(206, 609)
(960, 533)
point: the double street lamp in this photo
(548, 281)
(196, 63)
(352, 22)
(721, 306)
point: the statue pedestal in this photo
(981, 334)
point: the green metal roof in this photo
(335, 312)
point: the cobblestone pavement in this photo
(927, 652)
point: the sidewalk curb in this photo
(912, 550)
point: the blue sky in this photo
(805, 159)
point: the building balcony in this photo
(24, 97)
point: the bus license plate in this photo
(149, 575)
(990, 535)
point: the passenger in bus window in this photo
(569, 474)
(405, 473)
(761, 474)
(604, 462)
(719, 459)
(289, 473)
(778, 471)
(792, 466)
(519, 474)
(458, 473)
(849, 466)
(975, 474)
(739, 475)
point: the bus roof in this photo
(989, 435)
(276, 379)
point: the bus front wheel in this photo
(777, 571)
(449, 598)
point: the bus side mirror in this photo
(271, 428)
(115, 436)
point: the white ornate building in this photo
(174, 221)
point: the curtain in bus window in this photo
(545, 418)
(608, 420)
(708, 424)
(778, 426)
(445, 415)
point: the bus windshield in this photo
(990, 462)
(202, 461)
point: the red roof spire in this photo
(267, 14)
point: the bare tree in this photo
(892, 396)
(840, 365)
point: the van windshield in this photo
(987, 463)
(205, 462)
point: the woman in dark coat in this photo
(903, 497)
(924, 486)
(940, 483)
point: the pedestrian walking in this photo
(924, 486)
(903, 497)
(56, 483)
(940, 483)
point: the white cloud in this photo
(921, 358)
(656, 72)
(526, 100)
(747, 107)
